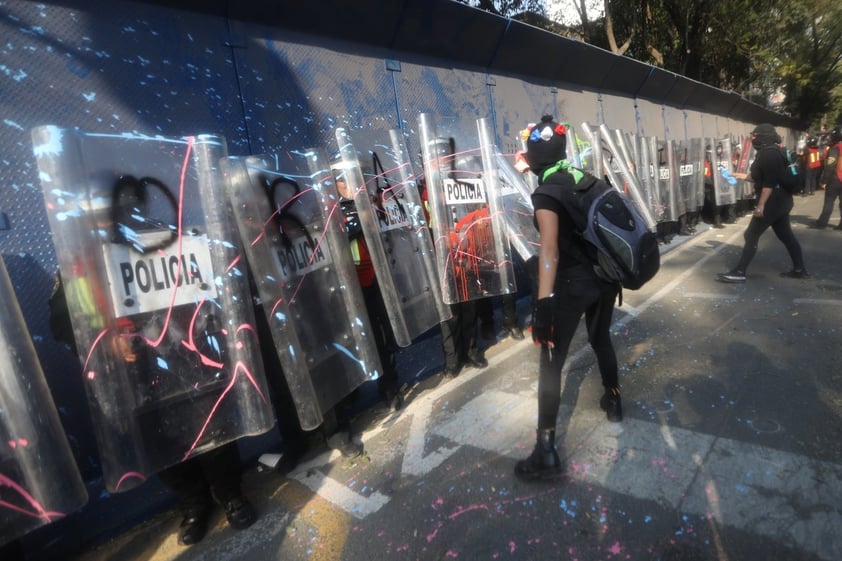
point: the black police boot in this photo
(239, 512)
(543, 464)
(194, 525)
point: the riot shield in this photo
(514, 196)
(667, 176)
(697, 158)
(579, 150)
(647, 158)
(724, 182)
(595, 164)
(472, 254)
(744, 166)
(159, 304)
(623, 164)
(39, 480)
(684, 163)
(291, 223)
(378, 177)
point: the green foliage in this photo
(755, 48)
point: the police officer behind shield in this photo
(213, 476)
(831, 180)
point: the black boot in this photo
(194, 525)
(612, 404)
(543, 464)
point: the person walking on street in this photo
(773, 206)
(831, 180)
(568, 288)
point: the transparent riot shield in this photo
(472, 252)
(579, 150)
(595, 164)
(684, 163)
(289, 216)
(158, 300)
(375, 174)
(667, 180)
(647, 158)
(623, 164)
(744, 166)
(724, 182)
(697, 158)
(514, 196)
(39, 480)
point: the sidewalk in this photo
(729, 449)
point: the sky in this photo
(564, 11)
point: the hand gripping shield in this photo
(472, 252)
(288, 213)
(39, 480)
(374, 172)
(157, 297)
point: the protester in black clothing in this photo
(568, 288)
(831, 181)
(773, 207)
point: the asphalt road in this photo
(729, 450)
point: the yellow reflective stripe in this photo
(355, 251)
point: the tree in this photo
(508, 8)
(755, 48)
(811, 51)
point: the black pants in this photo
(384, 339)
(201, 479)
(459, 335)
(833, 192)
(508, 304)
(574, 297)
(811, 180)
(776, 216)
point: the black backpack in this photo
(627, 250)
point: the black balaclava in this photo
(764, 135)
(546, 145)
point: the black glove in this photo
(542, 321)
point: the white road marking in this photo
(786, 497)
(818, 301)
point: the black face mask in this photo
(762, 141)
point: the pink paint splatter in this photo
(615, 549)
(512, 547)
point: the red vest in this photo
(814, 158)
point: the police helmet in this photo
(836, 134)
